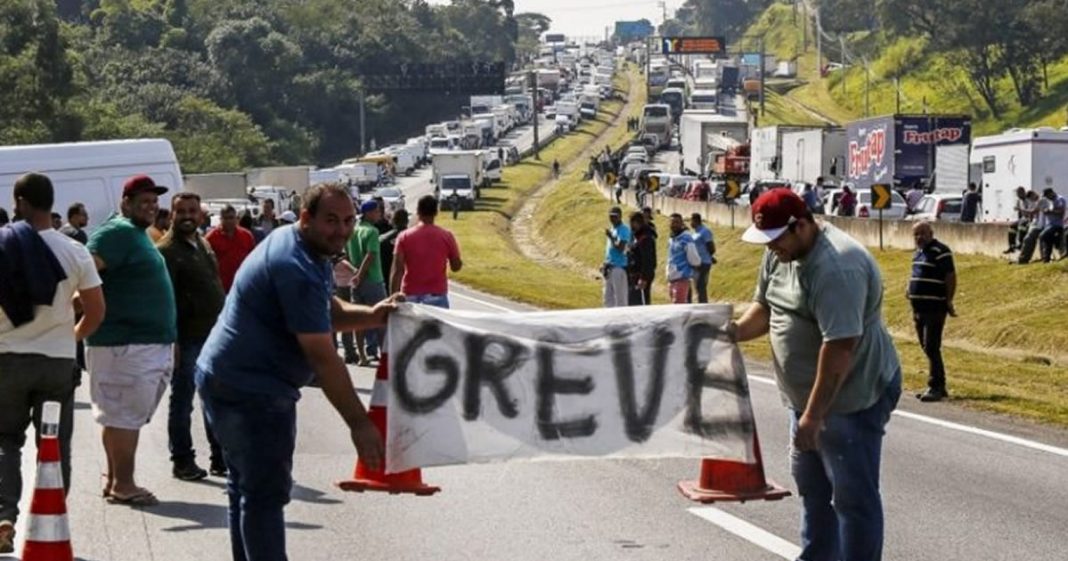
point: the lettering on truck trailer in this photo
(947, 134)
(862, 158)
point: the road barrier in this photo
(367, 479)
(732, 481)
(48, 532)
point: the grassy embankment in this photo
(923, 76)
(492, 261)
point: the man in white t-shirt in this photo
(37, 349)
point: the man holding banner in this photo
(274, 333)
(819, 297)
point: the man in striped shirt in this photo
(931, 289)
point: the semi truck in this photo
(700, 134)
(656, 120)
(458, 176)
(811, 154)
(900, 149)
(766, 151)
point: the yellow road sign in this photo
(654, 183)
(610, 178)
(734, 190)
(880, 196)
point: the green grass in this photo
(1005, 353)
(928, 80)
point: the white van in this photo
(91, 173)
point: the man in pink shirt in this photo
(420, 257)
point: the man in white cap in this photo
(819, 297)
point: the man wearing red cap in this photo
(131, 356)
(819, 297)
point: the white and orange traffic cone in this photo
(367, 479)
(47, 531)
(732, 481)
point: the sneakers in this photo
(7, 537)
(932, 395)
(218, 469)
(188, 471)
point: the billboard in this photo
(555, 38)
(630, 30)
(692, 45)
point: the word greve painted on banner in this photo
(642, 382)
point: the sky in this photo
(588, 18)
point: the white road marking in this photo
(480, 302)
(1041, 447)
(748, 532)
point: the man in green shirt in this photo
(131, 356)
(819, 297)
(199, 297)
(368, 285)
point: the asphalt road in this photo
(949, 494)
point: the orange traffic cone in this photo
(48, 534)
(366, 479)
(732, 481)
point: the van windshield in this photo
(656, 111)
(459, 183)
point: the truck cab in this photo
(456, 190)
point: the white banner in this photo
(640, 382)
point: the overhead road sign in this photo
(692, 45)
(555, 38)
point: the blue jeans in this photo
(180, 412)
(436, 300)
(258, 434)
(370, 293)
(841, 508)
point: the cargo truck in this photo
(656, 120)
(900, 149)
(458, 176)
(811, 154)
(766, 151)
(700, 134)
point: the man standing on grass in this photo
(199, 296)
(683, 259)
(819, 297)
(421, 256)
(930, 291)
(614, 270)
(131, 356)
(706, 248)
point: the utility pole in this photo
(648, 57)
(819, 46)
(897, 88)
(762, 73)
(532, 81)
(804, 27)
(867, 88)
(363, 136)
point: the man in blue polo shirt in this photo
(615, 260)
(274, 334)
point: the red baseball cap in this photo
(141, 184)
(773, 212)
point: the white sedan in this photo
(895, 212)
(393, 197)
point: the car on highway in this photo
(392, 197)
(938, 207)
(895, 212)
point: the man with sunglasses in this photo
(819, 298)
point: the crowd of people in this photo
(243, 314)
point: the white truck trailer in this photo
(810, 154)
(1028, 158)
(766, 151)
(697, 131)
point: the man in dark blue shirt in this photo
(930, 291)
(275, 333)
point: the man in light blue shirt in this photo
(615, 260)
(706, 248)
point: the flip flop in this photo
(142, 498)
